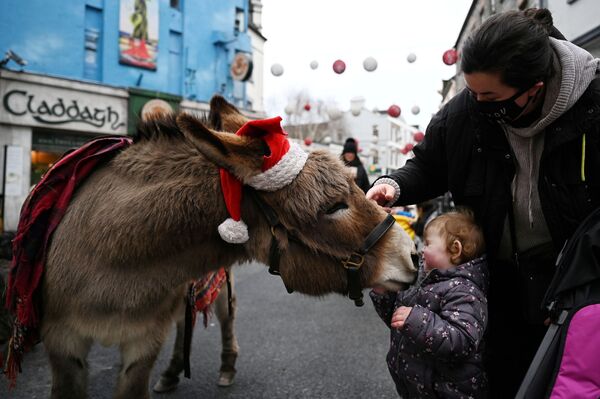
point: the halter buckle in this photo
(353, 261)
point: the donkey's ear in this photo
(242, 156)
(224, 116)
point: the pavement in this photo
(291, 346)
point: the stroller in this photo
(567, 363)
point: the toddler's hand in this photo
(400, 316)
(379, 290)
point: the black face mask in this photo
(503, 110)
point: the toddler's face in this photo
(435, 254)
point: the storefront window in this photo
(41, 161)
(48, 146)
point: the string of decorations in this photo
(370, 64)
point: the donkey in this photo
(145, 223)
(225, 308)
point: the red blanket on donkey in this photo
(40, 215)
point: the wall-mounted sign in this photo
(138, 33)
(241, 67)
(57, 142)
(29, 104)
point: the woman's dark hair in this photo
(516, 44)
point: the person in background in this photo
(351, 160)
(520, 146)
(437, 325)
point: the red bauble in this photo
(450, 57)
(307, 107)
(394, 111)
(404, 151)
(339, 66)
(307, 141)
(409, 147)
(419, 136)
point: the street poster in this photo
(138, 33)
(13, 174)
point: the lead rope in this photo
(187, 335)
(583, 159)
(229, 293)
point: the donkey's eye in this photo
(337, 207)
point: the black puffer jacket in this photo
(438, 352)
(469, 156)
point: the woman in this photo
(520, 146)
(352, 161)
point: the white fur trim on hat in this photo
(283, 172)
(233, 232)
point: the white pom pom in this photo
(233, 232)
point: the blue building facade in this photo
(74, 69)
(79, 39)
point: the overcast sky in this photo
(299, 32)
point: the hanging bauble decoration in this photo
(356, 105)
(277, 69)
(409, 147)
(404, 151)
(411, 58)
(339, 66)
(370, 64)
(314, 64)
(450, 57)
(334, 113)
(289, 109)
(307, 141)
(415, 110)
(394, 111)
(418, 136)
(307, 107)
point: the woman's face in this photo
(349, 156)
(487, 86)
(499, 101)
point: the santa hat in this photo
(279, 169)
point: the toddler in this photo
(437, 325)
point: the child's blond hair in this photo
(459, 225)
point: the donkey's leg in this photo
(138, 356)
(67, 352)
(229, 351)
(170, 377)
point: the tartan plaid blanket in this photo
(204, 291)
(40, 215)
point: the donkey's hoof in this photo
(166, 384)
(226, 378)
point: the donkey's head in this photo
(320, 221)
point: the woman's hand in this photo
(382, 194)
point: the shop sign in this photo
(35, 105)
(241, 67)
(57, 142)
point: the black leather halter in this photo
(352, 263)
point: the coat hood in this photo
(474, 270)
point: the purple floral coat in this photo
(438, 352)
